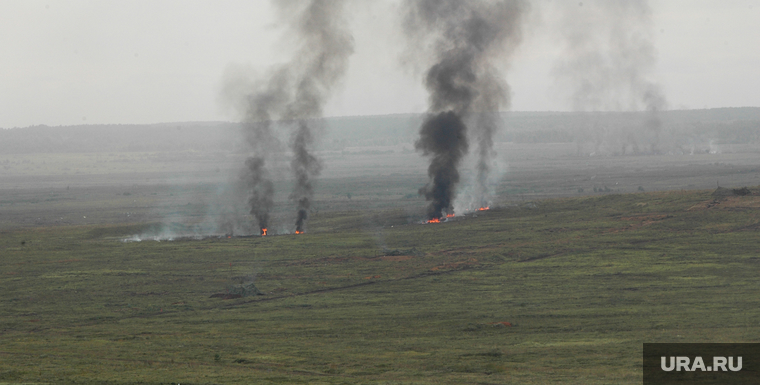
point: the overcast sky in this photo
(75, 62)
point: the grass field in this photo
(550, 291)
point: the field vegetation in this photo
(535, 292)
(583, 256)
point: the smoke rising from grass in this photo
(460, 41)
(294, 94)
(323, 60)
(264, 103)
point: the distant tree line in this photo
(596, 131)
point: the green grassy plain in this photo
(367, 297)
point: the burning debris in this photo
(294, 94)
(445, 218)
(464, 84)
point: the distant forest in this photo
(667, 131)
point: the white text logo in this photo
(687, 365)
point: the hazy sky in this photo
(74, 62)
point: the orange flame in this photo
(434, 220)
(263, 232)
(299, 232)
(484, 208)
(450, 215)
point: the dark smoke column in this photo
(442, 138)
(261, 190)
(293, 94)
(260, 107)
(465, 37)
(326, 45)
(305, 166)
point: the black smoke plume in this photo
(261, 190)
(293, 95)
(442, 137)
(323, 59)
(260, 107)
(305, 166)
(462, 39)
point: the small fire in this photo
(434, 220)
(450, 215)
(263, 232)
(484, 208)
(299, 232)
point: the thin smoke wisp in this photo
(607, 64)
